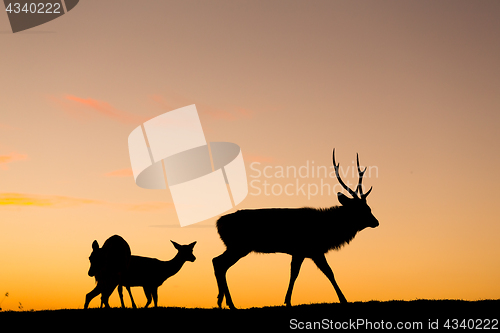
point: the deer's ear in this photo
(192, 244)
(344, 201)
(95, 245)
(177, 246)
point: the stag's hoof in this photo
(219, 301)
(231, 305)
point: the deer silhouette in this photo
(107, 265)
(301, 232)
(150, 273)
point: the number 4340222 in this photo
(34, 8)
(478, 324)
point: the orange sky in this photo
(412, 86)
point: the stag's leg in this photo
(322, 264)
(96, 291)
(294, 272)
(221, 265)
(131, 298)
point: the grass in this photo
(267, 318)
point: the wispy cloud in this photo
(7, 127)
(12, 157)
(258, 158)
(56, 201)
(147, 206)
(174, 101)
(179, 226)
(107, 110)
(235, 114)
(82, 108)
(120, 173)
(33, 200)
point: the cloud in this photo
(245, 113)
(56, 201)
(7, 127)
(107, 110)
(120, 173)
(5, 159)
(148, 206)
(219, 114)
(259, 158)
(32, 200)
(175, 101)
(197, 225)
(82, 108)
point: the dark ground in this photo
(450, 315)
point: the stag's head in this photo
(358, 209)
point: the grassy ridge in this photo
(301, 317)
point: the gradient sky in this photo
(412, 86)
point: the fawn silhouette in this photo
(150, 273)
(107, 265)
(301, 232)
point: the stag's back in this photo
(306, 231)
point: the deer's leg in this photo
(107, 290)
(96, 291)
(147, 292)
(154, 292)
(131, 298)
(294, 272)
(322, 264)
(120, 292)
(221, 265)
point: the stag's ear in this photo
(344, 201)
(177, 246)
(192, 244)
(95, 245)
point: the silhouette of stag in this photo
(107, 265)
(301, 232)
(150, 273)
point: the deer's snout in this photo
(375, 223)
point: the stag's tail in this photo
(233, 228)
(222, 225)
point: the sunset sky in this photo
(412, 86)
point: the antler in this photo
(359, 187)
(361, 174)
(336, 166)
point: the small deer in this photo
(301, 232)
(150, 273)
(107, 265)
